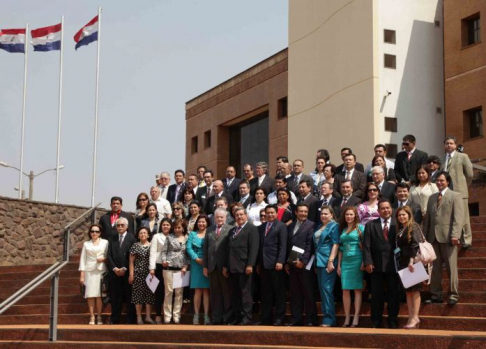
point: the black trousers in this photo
(302, 295)
(272, 294)
(121, 292)
(219, 297)
(159, 292)
(380, 281)
(240, 295)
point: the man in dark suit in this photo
(215, 259)
(108, 220)
(273, 249)
(387, 189)
(297, 176)
(244, 197)
(231, 183)
(243, 245)
(117, 263)
(326, 198)
(378, 258)
(434, 163)
(347, 199)
(341, 168)
(402, 194)
(175, 190)
(262, 179)
(357, 178)
(218, 192)
(205, 192)
(301, 280)
(306, 197)
(409, 160)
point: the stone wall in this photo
(31, 232)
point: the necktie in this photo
(228, 182)
(218, 231)
(296, 228)
(348, 175)
(409, 155)
(439, 199)
(385, 230)
(448, 166)
(237, 231)
(178, 188)
(344, 202)
(208, 192)
(269, 225)
(121, 240)
(324, 202)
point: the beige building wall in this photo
(333, 84)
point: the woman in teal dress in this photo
(326, 243)
(198, 281)
(350, 266)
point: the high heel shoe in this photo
(91, 320)
(346, 323)
(139, 320)
(413, 327)
(195, 320)
(99, 321)
(355, 323)
(149, 321)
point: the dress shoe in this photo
(245, 322)
(233, 323)
(392, 324)
(452, 301)
(433, 300)
(277, 323)
(466, 246)
(310, 324)
(293, 323)
(377, 325)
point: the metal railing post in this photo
(67, 237)
(53, 307)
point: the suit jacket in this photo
(323, 247)
(233, 188)
(405, 169)
(358, 179)
(216, 248)
(352, 201)
(359, 166)
(273, 247)
(302, 239)
(293, 186)
(247, 202)
(243, 248)
(417, 212)
(90, 253)
(309, 201)
(109, 231)
(118, 256)
(315, 209)
(171, 193)
(376, 250)
(445, 221)
(388, 192)
(210, 202)
(461, 172)
(202, 196)
(268, 185)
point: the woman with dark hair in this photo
(326, 243)
(138, 271)
(151, 220)
(92, 266)
(155, 265)
(194, 211)
(174, 260)
(318, 175)
(188, 197)
(379, 160)
(422, 189)
(408, 238)
(286, 208)
(329, 172)
(368, 210)
(195, 250)
(141, 204)
(259, 202)
(350, 265)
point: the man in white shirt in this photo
(163, 205)
(164, 180)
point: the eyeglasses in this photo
(405, 143)
(432, 162)
(95, 231)
(142, 199)
(121, 225)
(177, 208)
(372, 189)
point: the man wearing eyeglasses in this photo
(409, 160)
(108, 220)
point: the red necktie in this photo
(385, 230)
(218, 231)
(344, 202)
(269, 225)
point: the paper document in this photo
(152, 282)
(311, 260)
(409, 279)
(179, 280)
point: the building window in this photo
(471, 30)
(194, 145)
(207, 139)
(390, 61)
(473, 123)
(390, 124)
(390, 36)
(391, 151)
(282, 108)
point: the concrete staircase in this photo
(462, 325)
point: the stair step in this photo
(478, 219)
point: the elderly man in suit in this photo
(460, 169)
(378, 258)
(409, 160)
(402, 192)
(387, 189)
(108, 220)
(357, 178)
(443, 227)
(262, 179)
(231, 183)
(215, 259)
(273, 249)
(297, 176)
(218, 190)
(302, 281)
(117, 262)
(243, 245)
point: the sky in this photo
(155, 56)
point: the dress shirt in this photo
(345, 171)
(244, 198)
(402, 203)
(449, 158)
(381, 184)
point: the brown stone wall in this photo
(31, 232)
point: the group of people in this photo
(257, 238)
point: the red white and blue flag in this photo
(47, 38)
(87, 34)
(12, 40)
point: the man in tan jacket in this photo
(442, 228)
(460, 169)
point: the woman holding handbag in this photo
(408, 238)
(92, 266)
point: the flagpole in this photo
(26, 50)
(60, 112)
(93, 180)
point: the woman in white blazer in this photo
(155, 265)
(92, 266)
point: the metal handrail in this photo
(479, 167)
